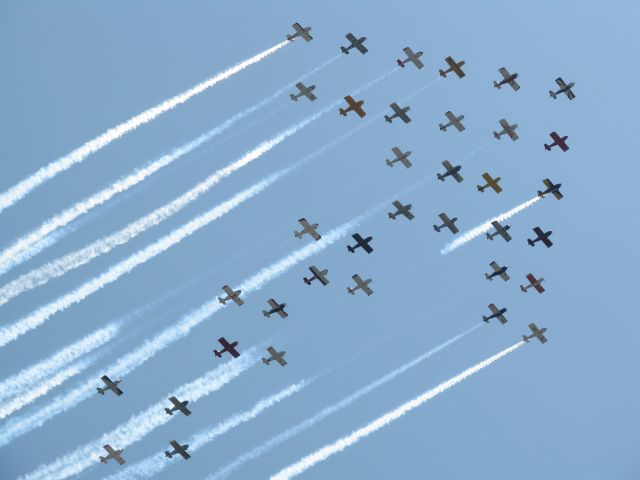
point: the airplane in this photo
(112, 454)
(534, 282)
(500, 230)
(355, 43)
(451, 171)
(557, 141)
(227, 347)
(553, 188)
(453, 67)
(449, 223)
(401, 210)
(537, 333)
(275, 355)
(320, 275)
(497, 271)
(564, 88)
(360, 284)
(507, 79)
(113, 386)
(541, 236)
(301, 32)
(453, 120)
(360, 242)
(411, 57)
(304, 91)
(507, 129)
(178, 405)
(308, 228)
(398, 112)
(231, 295)
(177, 449)
(275, 308)
(495, 313)
(353, 106)
(401, 156)
(491, 182)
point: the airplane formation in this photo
(400, 210)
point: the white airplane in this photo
(307, 228)
(507, 130)
(411, 57)
(360, 284)
(402, 157)
(453, 121)
(275, 356)
(507, 79)
(112, 455)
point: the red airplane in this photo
(535, 283)
(557, 141)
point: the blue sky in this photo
(565, 409)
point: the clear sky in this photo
(565, 409)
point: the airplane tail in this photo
(489, 236)
(524, 337)
(531, 242)
(400, 63)
(350, 248)
(103, 459)
(547, 147)
(488, 277)
(485, 318)
(297, 234)
(540, 194)
(552, 94)
(389, 162)
(443, 73)
(497, 135)
(100, 390)
(266, 314)
(391, 216)
(436, 228)
(169, 412)
(222, 300)
(343, 112)
(307, 281)
(265, 361)
(497, 85)
(440, 177)
(442, 127)
(293, 97)
(217, 353)
(344, 50)
(480, 188)
(168, 454)
(523, 288)
(387, 118)
(351, 291)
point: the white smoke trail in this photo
(29, 245)
(323, 453)
(155, 464)
(143, 423)
(324, 413)
(22, 188)
(28, 377)
(485, 227)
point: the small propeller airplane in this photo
(533, 282)
(451, 171)
(353, 106)
(498, 271)
(453, 121)
(557, 141)
(113, 386)
(360, 243)
(227, 347)
(553, 188)
(301, 32)
(500, 230)
(275, 308)
(360, 285)
(112, 455)
(401, 210)
(231, 295)
(491, 182)
(304, 92)
(402, 157)
(177, 450)
(320, 275)
(411, 57)
(307, 228)
(275, 356)
(536, 333)
(541, 237)
(564, 88)
(355, 43)
(178, 406)
(507, 130)
(449, 223)
(398, 112)
(453, 67)
(495, 313)
(507, 79)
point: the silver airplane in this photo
(275, 308)
(495, 313)
(453, 67)
(453, 121)
(447, 222)
(355, 43)
(177, 450)
(507, 130)
(564, 88)
(411, 57)
(401, 210)
(451, 171)
(231, 295)
(304, 92)
(398, 112)
(500, 230)
(178, 406)
(553, 188)
(112, 455)
(301, 32)
(402, 157)
(361, 285)
(320, 275)
(536, 333)
(507, 79)
(113, 386)
(307, 228)
(275, 356)
(491, 182)
(498, 271)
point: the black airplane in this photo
(360, 242)
(541, 237)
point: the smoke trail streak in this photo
(46, 173)
(485, 227)
(143, 423)
(28, 377)
(325, 452)
(28, 246)
(324, 413)
(155, 464)
(80, 257)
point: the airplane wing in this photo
(396, 108)
(457, 176)
(397, 204)
(280, 360)
(109, 449)
(504, 72)
(495, 266)
(366, 289)
(504, 234)
(560, 82)
(309, 94)
(546, 241)
(273, 303)
(175, 445)
(450, 61)
(459, 126)
(444, 217)
(282, 313)
(514, 85)
(512, 134)
(351, 38)
(397, 152)
(504, 124)
(300, 86)
(361, 48)
(366, 247)
(451, 117)
(408, 52)
(453, 227)
(493, 309)
(557, 194)
(569, 94)
(447, 164)
(304, 223)
(504, 276)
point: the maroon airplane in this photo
(227, 347)
(557, 141)
(535, 283)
